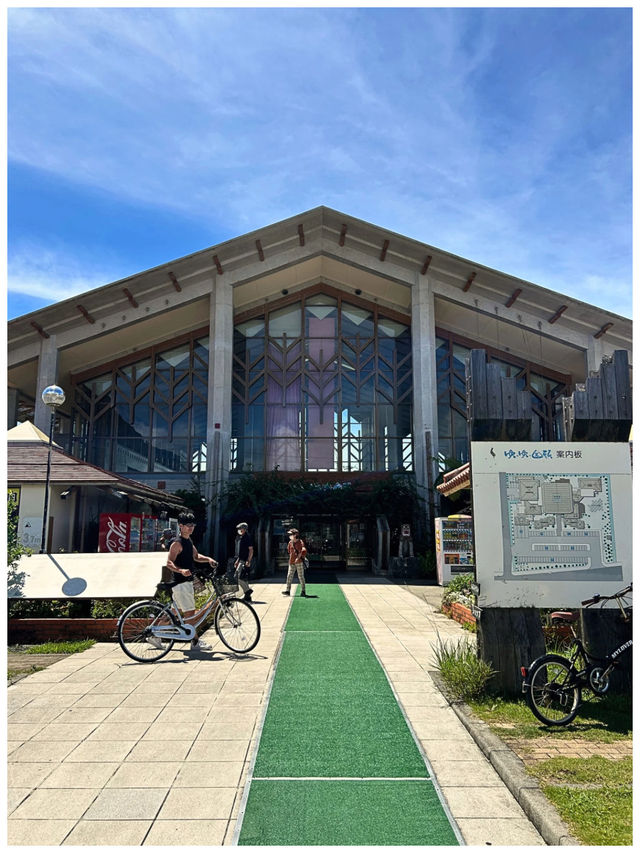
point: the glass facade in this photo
(322, 385)
(148, 416)
(451, 352)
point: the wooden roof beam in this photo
(558, 313)
(513, 297)
(383, 253)
(174, 281)
(601, 332)
(425, 265)
(469, 282)
(85, 314)
(130, 297)
(301, 234)
(343, 232)
(40, 330)
(259, 248)
(216, 261)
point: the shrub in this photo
(464, 673)
(459, 589)
(109, 608)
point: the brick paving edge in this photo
(510, 768)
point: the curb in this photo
(511, 770)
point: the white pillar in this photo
(595, 351)
(47, 369)
(219, 399)
(425, 387)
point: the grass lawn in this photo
(64, 647)
(592, 795)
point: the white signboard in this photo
(552, 521)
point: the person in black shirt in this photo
(182, 555)
(244, 557)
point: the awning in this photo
(128, 575)
(456, 480)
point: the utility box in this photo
(454, 546)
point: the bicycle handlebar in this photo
(597, 597)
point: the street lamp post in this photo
(52, 396)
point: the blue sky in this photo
(136, 136)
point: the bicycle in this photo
(235, 621)
(553, 684)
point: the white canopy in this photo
(129, 575)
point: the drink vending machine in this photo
(454, 546)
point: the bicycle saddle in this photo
(166, 585)
(564, 616)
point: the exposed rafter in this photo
(383, 253)
(425, 265)
(604, 328)
(174, 281)
(85, 314)
(301, 234)
(40, 330)
(469, 282)
(216, 261)
(130, 297)
(259, 248)
(558, 313)
(513, 297)
(343, 232)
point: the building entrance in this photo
(332, 543)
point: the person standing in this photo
(297, 554)
(244, 557)
(181, 558)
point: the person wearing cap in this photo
(297, 553)
(244, 557)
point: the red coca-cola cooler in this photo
(124, 531)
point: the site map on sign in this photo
(558, 526)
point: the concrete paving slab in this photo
(56, 804)
(209, 774)
(145, 774)
(126, 804)
(27, 775)
(111, 833)
(94, 774)
(37, 833)
(182, 804)
(100, 750)
(181, 833)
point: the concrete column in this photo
(219, 401)
(12, 407)
(47, 370)
(425, 394)
(595, 351)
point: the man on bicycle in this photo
(182, 555)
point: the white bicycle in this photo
(235, 621)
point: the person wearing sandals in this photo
(181, 558)
(297, 553)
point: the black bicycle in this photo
(553, 684)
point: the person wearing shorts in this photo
(182, 556)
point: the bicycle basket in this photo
(229, 584)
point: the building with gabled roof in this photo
(321, 346)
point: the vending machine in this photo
(124, 531)
(454, 546)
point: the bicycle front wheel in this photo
(237, 625)
(135, 631)
(554, 696)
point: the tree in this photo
(15, 550)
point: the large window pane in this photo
(287, 321)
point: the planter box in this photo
(459, 613)
(29, 631)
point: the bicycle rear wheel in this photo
(134, 631)
(553, 695)
(237, 625)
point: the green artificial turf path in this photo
(337, 763)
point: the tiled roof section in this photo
(27, 463)
(453, 481)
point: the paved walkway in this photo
(105, 751)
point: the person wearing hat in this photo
(297, 553)
(244, 557)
